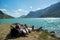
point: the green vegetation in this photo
(4, 30)
(3, 15)
(46, 36)
(42, 35)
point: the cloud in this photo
(19, 12)
(30, 7)
(15, 13)
(4, 10)
(38, 8)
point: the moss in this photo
(43, 35)
(46, 36)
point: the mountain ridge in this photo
(51, 11)
(4, 16)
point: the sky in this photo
(17, 8)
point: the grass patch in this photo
(5, 29)
(46, 36)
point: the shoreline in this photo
(6, 28)
(11, 24)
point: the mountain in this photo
(3, 15)
(34, 14)
(22, 16)
(51, 11)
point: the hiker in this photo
(33, 28)
(17, 26)
(40, 29)
(26, 26)
(23, 31)
(52, 33)
(14, 32)
(26, 29)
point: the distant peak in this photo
(1, 12)
(57, 3)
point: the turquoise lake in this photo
(51, 24)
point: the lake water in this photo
(51, 24)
